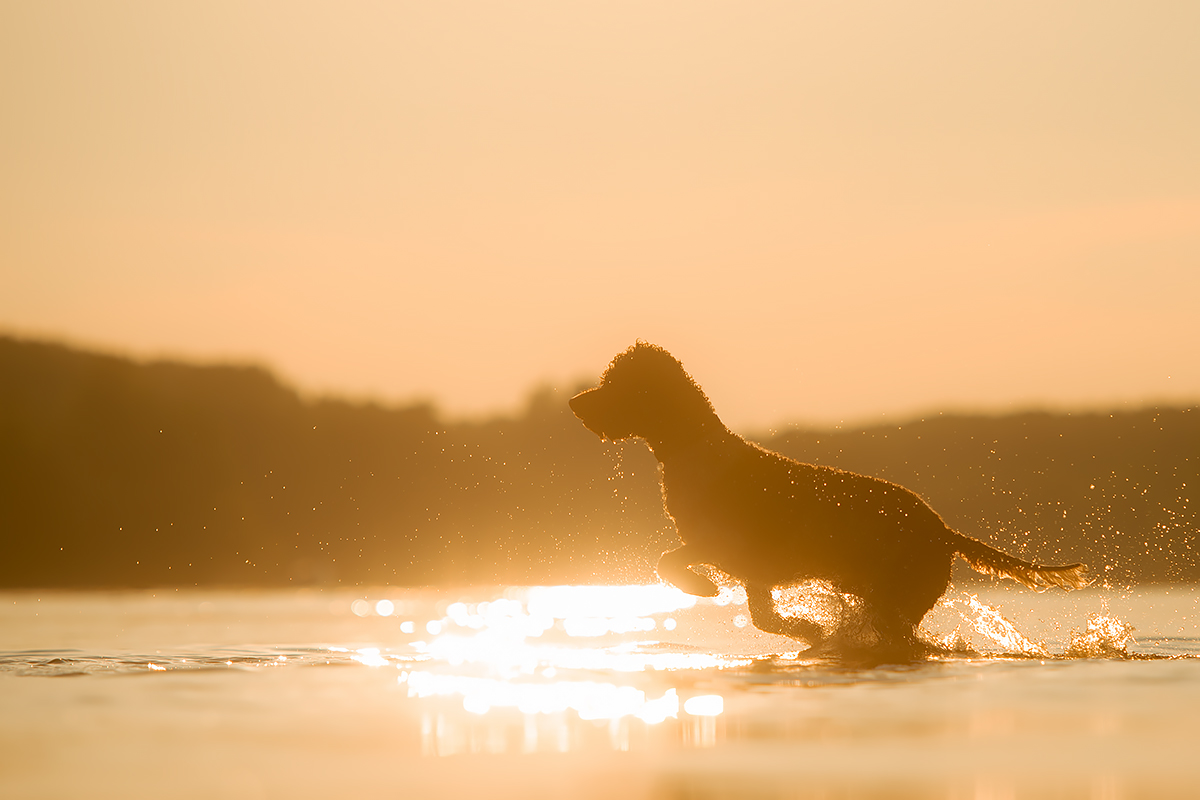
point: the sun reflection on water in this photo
(370, 657)
(528, 651)
(591, 700)
(498, 633)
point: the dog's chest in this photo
(745, 494)
(711, 498)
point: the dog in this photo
(769, 521)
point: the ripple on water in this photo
(64, 663)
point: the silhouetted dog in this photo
(768, 521)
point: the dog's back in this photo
(766, 518)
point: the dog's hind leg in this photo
(767, 618)
(673, 568)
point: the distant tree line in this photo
(115, 473)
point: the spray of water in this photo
(843, 617)
(991, 624)
(1105, 637)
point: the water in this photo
(563, 692)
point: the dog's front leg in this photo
(673, 568)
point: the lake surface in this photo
(564, 692)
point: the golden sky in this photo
(828, 211)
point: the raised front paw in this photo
(692, 583)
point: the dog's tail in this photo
(991, 561)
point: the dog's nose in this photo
(583, 405)
(575, 402)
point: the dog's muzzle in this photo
(585, 405)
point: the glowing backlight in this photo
(498, 653)
(705, 705)
(370, 657)
(562, 602)
(590, 699)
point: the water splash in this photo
(843, 617)
(1105, 637)
(991, 624)
(955, 643)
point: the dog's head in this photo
(645, 393)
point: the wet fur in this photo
(769, 521)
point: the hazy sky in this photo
(828, 211)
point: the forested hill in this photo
(115, 473)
